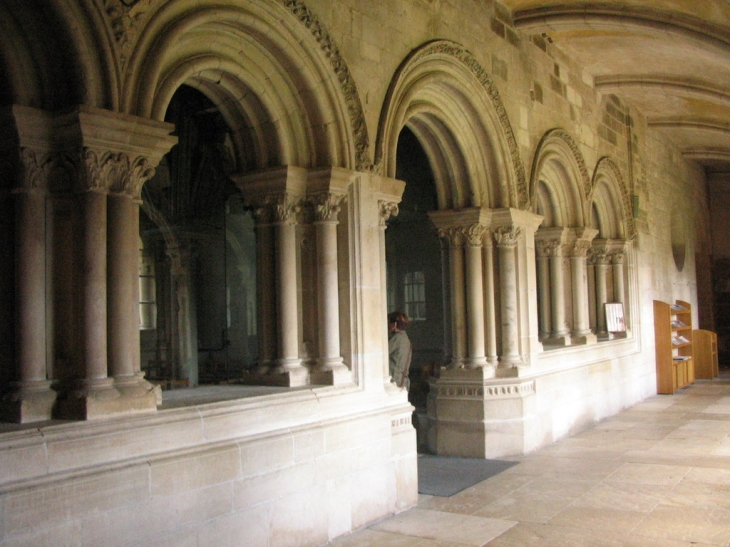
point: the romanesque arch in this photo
(272, 71)
(610, 197)
(449, 101)
(559, 182)
(559, 187)
(611, 216)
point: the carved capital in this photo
(598, 255)
(474, 235)
(284, 208)
(547, 248)
(327, 206)
(387, 209)
(454, 236)
(617, 256)
(580, 248)
(507, 236)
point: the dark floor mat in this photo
(445, 476)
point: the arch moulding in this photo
(553, 141)
(388, 131)
(608, 168)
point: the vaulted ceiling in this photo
(668, 58)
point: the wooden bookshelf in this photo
(704, 346)
(673, 339)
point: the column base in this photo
(296, 377)
(28, 402)
(584, 338)
(331, 376)
(558, 340)
(136, 386)
(92, 399)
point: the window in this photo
(414, 285)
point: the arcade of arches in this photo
(208, 209)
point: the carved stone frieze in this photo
(501, 391)
(347, 83)
(125, 18)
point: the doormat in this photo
(445, 476)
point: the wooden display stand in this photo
(673, 339)
(704, 344)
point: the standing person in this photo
(399, 348)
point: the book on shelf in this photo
(680, 358)
(677, 324)
(676, 308)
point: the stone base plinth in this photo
(482, 417)
(584, 339)
(90, 407)
(23, 408)
(336, 376)
(290, 378)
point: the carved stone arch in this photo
(559, 163)
(271, 68)
(56, 55)
(443, 94)
(607, 175)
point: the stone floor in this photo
(656, 475)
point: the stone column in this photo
(326, 209)
(617, 257)
(445, 298)
(544, 250)
(581, 332)
(288, 363)
(474, 237)
(386, 210)
(265, 292)
(94, 389)
(123, 287)
(507, 238)
(600, 260)
(490, 310)
(30, 397)
(561, 333)
(458, 299)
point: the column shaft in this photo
(601, 296)
(543, 285)
(458, 305)
(30, 282)
(490, 309)
(286, 305)
(475, 305)
(266, 302)
(557, 287)
(328, 304)
(507, 240)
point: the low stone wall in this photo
(323, 463)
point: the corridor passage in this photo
(656, 475)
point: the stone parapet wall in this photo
(215, 474)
